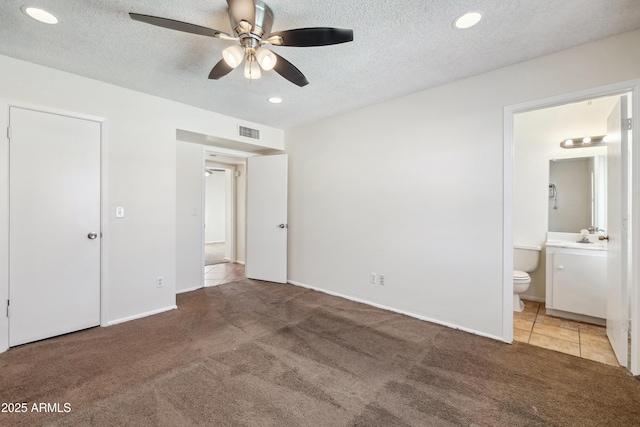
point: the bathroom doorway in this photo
(533, 133)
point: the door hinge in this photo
(9, 132)
(8, 310)
(628, 123)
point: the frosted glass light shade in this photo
(252, 70)
(233, 56)
(266, 58)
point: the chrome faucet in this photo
(585, 239)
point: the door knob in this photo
(92, 235)
(283, 225)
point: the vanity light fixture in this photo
(587, 141)
(275, 100)
(40, 15)
(467, 20)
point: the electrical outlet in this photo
(373, 278)
(159, 282)
(381, 278)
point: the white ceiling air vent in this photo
(248, 132)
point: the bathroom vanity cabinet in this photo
(576, 279)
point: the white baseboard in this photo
(239, 262)
(141, 315)
(577, 317)
(395, 310)
(215, 241)
(195, 288)
(530, 298)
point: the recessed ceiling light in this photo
(467, 20)
(40, 15)
(275, 100)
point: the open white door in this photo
(267, 218)
(54, 279)
(617, 229)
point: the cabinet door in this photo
(580, 284)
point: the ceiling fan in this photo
(251, 21)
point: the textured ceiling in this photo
(400, 46)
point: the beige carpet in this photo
(252, 353)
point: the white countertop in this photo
(571, 240)
(600, 246)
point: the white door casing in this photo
(617, 229)
(630, 86)
(267, 218)
(54, 280)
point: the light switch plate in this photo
(119, 212)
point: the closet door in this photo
(54, 233)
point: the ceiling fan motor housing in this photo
(261, 26)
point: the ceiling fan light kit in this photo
(266, 58)
(251, 21)
(251, 69)
(233, 56)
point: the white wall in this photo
(215, 207)
(189, 172)
(432, 223)
(140, 175)
(537, 135)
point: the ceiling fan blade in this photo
(242, 10)
(177, 25)
(221, 69)
(289, 71)
(316, 36)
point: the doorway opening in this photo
(223, 232)
(577, 288)
(218, 221)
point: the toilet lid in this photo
(520, 275)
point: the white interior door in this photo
(54, 196)
(267, 218)
(617, 229)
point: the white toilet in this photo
(525, 260)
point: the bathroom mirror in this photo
(577, 194)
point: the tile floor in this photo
(584, 340)
(223, 273)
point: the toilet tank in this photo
(526, 257)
